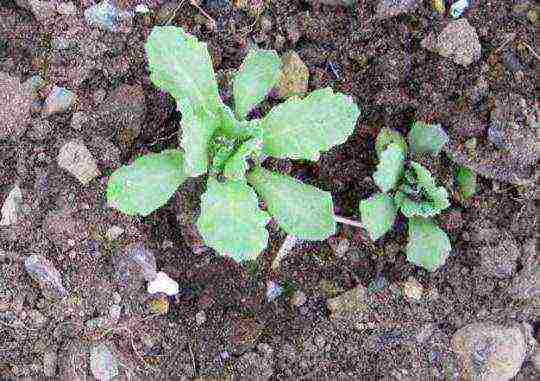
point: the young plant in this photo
(228, 149)
(408, 187)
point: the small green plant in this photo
(408, 187)
(229, 149)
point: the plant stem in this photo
(287, 245)
(346, 221)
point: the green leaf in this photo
(466, 181)
(427, 201)
(438, 196)
(411, 208)
(181, 65)
(230, 221)
(386, 137)
(427, 138)
(428, 246)
(390, 167)
(300, 209)
(237, 166)
(302, 128)
(378, 214)
(258, 74)
(146, 184)
(197, 132)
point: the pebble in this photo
(44, 11)
(11, 207)
(114, 232)
(103, 363)
(489, 352)
(391, 8)
(77, 160)
(294, 76)
(273, 291)
(298, 299)
(36, 319)
(66, 9)
(43, 271)
(458, 41)
(15, 103)
(159, 305)
(200, 317)
(58, 101)
(412, 289)
(104, 15)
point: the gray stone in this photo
(103, 363)
(15, 103)
(77, 160)
(489, 352)
(457, 41)
(43, 272)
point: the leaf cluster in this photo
(408, 187)
(228, 148)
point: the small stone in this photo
(457, 41)
(340, 246)
(163, 283)
(489, 352)
(11, 207)
(66, 9)
(200, 317)
(77, 160)
(43, 271)
(44, 11)
(15, 103)
(103, 363)
(273, 291)
(104, 15)
(298, 299)
(36, 319)
(294, 76)
(159, 305)
(391, 8)
(532, 15)
(412, 289)
(114, 232)
(58, 101)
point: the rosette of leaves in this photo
(408, 187)
(228, 148)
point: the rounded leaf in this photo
(230, 221)
(378, 214)
(428, 246)
(390, 167)
(300, 209)
(302, 128)
(259, 72)
(146, 184)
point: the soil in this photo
(382, 65)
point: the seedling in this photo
(228, 148)
(408, 187)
